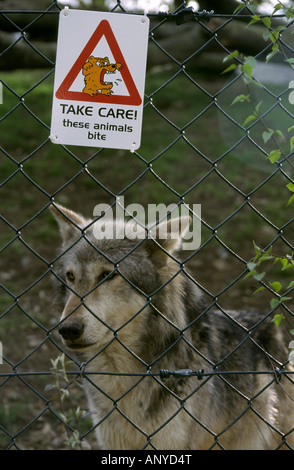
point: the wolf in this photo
(130, 310)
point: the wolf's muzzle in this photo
(71, 331)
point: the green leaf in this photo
(249, 119)
(274, 36)
(284, 299)
(290, 200)
(289, 14)
(277, 7)
(281, 28)
(258, 290)
(270, 250)
(274, 303)
(260, 276)
(290, 186)
(266, 35)
(278, 318)
(264, 257)
(239, 7)
(279, 133)
(64, 393)
(266, 21)
(255, 18)
(291, 62)
(271, 55)
(247, 69)
(54, 363)
(256, 248)
(290, 285)
(257, 107)
(274, 155)
(249, 65)
(251, 265)
(50, 387)
(63, 417)
(250, 274)
(277, 286)
(241, 99)
(284, 262)
(231, 56)
(266, 135)
(230, 68)
(251, 61)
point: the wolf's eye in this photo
(107, 275)
(70, 276)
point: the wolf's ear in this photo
(166, 238)
(70, 223)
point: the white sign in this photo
(99, 79)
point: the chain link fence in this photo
(217, 131)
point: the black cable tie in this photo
(199, 374)
(205, 15)
(82, 369)
(278, 375)
(185, 15)
(164, 374)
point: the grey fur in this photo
(133, 324)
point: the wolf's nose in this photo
(71, 331)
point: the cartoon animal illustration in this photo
(129, 310)
(94, 71)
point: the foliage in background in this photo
(70, 414)
(246, 66)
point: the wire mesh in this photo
(197, 147)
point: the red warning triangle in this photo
(63, 92)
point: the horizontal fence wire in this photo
(217, 131)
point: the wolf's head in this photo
(112, 282)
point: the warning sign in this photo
(99, 79)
